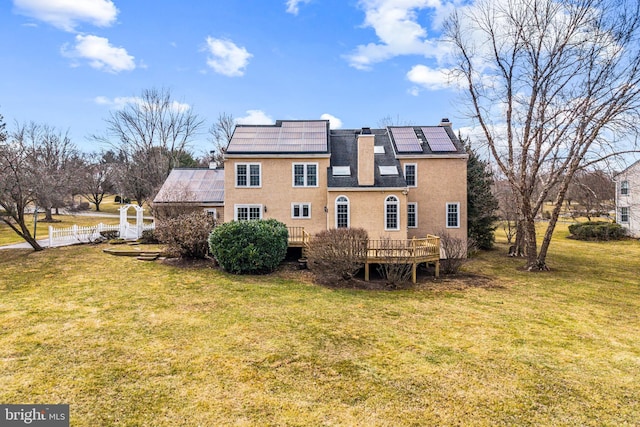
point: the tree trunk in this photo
(47, 214)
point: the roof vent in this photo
(445, 122)
(366, 131)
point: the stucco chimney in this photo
(366, 157)
(445, 122)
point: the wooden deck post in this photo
(414, 268)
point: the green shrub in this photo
(337, 254)
(186, 235)
(597, 230)
(148, 237)
(249, 247)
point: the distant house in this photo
(191, 189)
(628, 199)
(399, 182)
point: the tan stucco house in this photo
(399, 182)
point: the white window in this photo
(247, 212)
(212, 213)
(305, 174)
(342, 212)
(392, 213)
(624, 215)
(624, 188)
(248, 175)
(301, 210)
(410, 174)
(412, 215)
(453, 215)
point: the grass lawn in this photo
(133, 343)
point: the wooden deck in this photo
(413, 251)
(385, 251)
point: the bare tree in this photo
(389, 120)
(55, 161)
(151, 134)
(220, 133)
(554, 86)
(98, 178)
(17, 184)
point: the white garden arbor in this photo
(128, 231)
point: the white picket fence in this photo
(85, 234)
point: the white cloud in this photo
(334, 122)
(399, 33)
(227, 58)
(292, 6)
(101, 54)
(121, 102)
(255, 117)
(429, 78)
(67, 14)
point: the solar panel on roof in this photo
(406, 140)
(289, 137)
(438, 139)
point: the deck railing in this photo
(413, 248)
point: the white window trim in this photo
(335, 206)
(446, 216)
(236, 207)
(300, 204)
(415, 210)
(305, 164)
(397, 204)
(415, 168)
(248, 165)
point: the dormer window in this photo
(341, 170)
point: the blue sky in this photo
(68, 62)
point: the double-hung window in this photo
(624, 215)
(305, 174)
(392, 212)
(453, 215)
(301, 210)
(412, 215)
(248, 175)
(247, 212)
(410, 174)
(624, 188)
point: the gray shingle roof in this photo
(192, 186)
(344, 152)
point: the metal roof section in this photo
(192, 186)
(285, 136)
